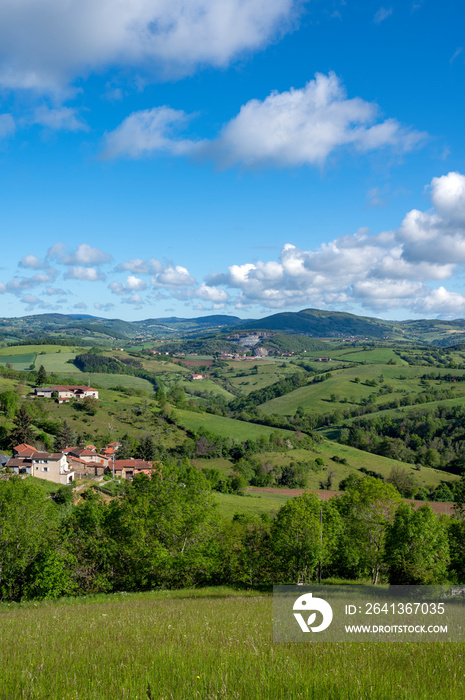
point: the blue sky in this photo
(189, 157)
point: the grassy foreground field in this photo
(207, 644)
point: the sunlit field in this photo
(209, 644)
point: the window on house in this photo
(44, 469)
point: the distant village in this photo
(65, 466)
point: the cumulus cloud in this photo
(136, 265)
(32, 262)
(132, 284)
(85, 274)
(50, 291)
(149, 131)
(379, 272)
(59, 119)
(80, 305)
(448, 196)
(134, 300)
(294, 128)
(31, 300)
(17, 284)
(103, 307)
(83, 255)
(46, 44)
(303, 126)
(213, 294)
(170, 275)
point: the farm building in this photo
(129, 468)
(66, 393)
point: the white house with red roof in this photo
(66, 393)
(51, 466)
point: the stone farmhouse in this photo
(129, 468)
(66, 393)
(86, 460)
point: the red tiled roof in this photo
(24, 447)
(134, 464)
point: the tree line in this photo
(165, 532)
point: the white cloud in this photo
(32, 262)
(7, 126)
(136, 265)
(83, 255)
(440, 301)
(170, 275)
(80, 305)
(379, 272)
(448, 196)
(45, 44)
(86, 274)
(18, 283)
(50, 291)
(149, 131)
(135, 300)
(2, 288)
(213, 294)
(304, 126)
(382, 14)
(294, 128)
(59, 119)
(132, 284)
(103, 307)
(31, 300)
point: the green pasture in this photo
(57, 362)
(373, 356)
(205, 386)
(109, 381)
(252, 503)
(356, 459)
(153, 365)
(19, 362)
(117, 415)
(395, 413)
(228, 427)
(35, 349)
(316, 398)
(267, 373)
(221, 463)
(209, 644)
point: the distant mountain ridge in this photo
(313, 323)
(321, 324)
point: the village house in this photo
(66, 393)
(86, 460)
(51, 466)
(129, 468)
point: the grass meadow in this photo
(238, 430)
(58, 362)
(253, 503)
(208, 644)
(317, 398)
(18, 362)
